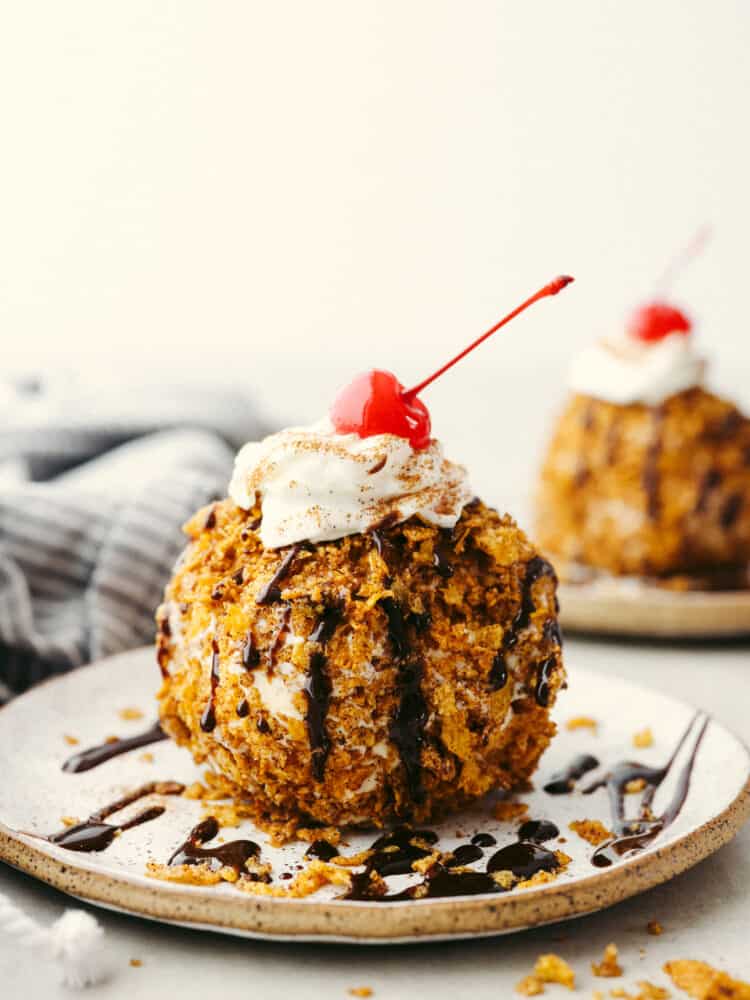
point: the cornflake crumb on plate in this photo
(72, 741)
(146, 758)
(360, 991)
(703, 982)
(609, 967)
(646, 991)
(130, 714)
(582, 722)
(635, 786)
(643, 738)
(553, 969)
(593, 831)
(509, 810)
(136, 963)
(69, 820)
(530, 986)
(654, 927)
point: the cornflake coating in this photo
(530, 986)
(649, 491)
(582, 722)
(400, 673)
(702, 981)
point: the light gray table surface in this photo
(705, 912)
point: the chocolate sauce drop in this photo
(94, 756)
(396, 627)
(464, 854)
(523, 859)
(321, 849)
(483, 840)
(538, 830)
(535, 568)
(394, 852)
(208, 719)
(94, 834)
(243, 708)
(562, 782)
(271, 592)
(234, 855)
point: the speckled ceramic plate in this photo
(632, 607)
(35, 794)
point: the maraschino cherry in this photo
(655, 320)
(376, 402)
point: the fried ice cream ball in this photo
(649, 491)
(397, 673)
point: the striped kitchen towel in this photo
(92, 498)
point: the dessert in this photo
(351, 636)
(647, 473)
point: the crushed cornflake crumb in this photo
(654, 927)
(360, 991)
(701, 981)
(597, 995)
(316, 875)
(643, 738)
(635, 786)
(609, 967)
(136, 963)
(553, 969)
(130, 714)
(509, 810)
(69, 820)
(72, 741)
(646, 991)
(582, 722)
(111, 739)
(530, 986)
(147, 758)
(591, 830)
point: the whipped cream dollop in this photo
(316, 485)
(627, 371)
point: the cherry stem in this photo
(681, 259)
(551, 289)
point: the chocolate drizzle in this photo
(536, 567)
(544, 674)
(523, 859)
(271, 592)
(321, 849)
(250, 654)
(94, 756)
(318, 690)
(442, 555)
(710, 481)
(651, 477)
(464, 854)
(730, 510)
(94, 834)
(283, 628)
(634, 834)
(562, 782)
(234, 855)
(208, 719)
(407, 726)
(483, 840)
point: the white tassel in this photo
(75, 942)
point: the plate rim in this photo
(375, 923)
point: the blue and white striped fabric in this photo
(91, 505)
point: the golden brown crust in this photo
(648, 491)
(458, 595)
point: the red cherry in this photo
(656, 320)
(374, 403)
